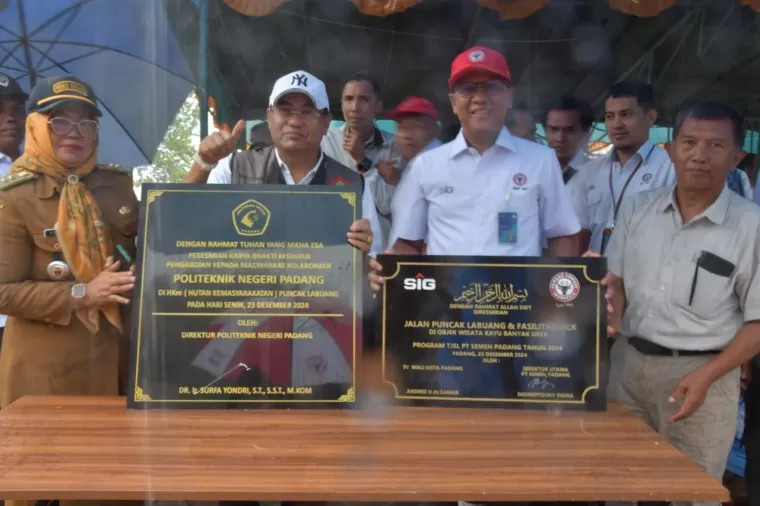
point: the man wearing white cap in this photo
(298, 118)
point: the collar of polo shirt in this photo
(577, 161)
(716, 212)
(644, 151)
(460, 145)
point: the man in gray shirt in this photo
(684, 263)
(361, 146)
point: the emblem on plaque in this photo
(251, 218)
(564, 287)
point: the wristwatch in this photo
(205, 167)
(78, 291)
(364, 165)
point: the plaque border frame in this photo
(136, 396)
(454, 400)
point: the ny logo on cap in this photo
(476, 56)
(4, 82)
(299, 80)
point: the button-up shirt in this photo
(5, 169)
(656, 255)
(222, 174)
(577, 186)
(453, 197)
(655, 170)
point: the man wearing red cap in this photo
(417, 132)
(486, 192)
(418, 127)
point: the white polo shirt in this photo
(577, 188)
(655, 170)
(455, 198)
(222, 174)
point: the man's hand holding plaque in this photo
(360, 235)
(376, 279)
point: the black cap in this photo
(54, 91)
(9, 88)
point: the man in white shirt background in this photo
(635, 165)
(12, 122)
(567, 123)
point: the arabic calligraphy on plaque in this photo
(491, 293)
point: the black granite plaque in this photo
(247, 297)
(508, 332)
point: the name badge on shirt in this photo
(507, 228)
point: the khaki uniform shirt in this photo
(46, 349)
(656, 255)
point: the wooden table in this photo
(93, 448)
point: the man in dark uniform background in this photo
(12, 116)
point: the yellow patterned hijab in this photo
(80, 230)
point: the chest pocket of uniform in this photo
(47, 249)
(125, 226)
(595, 211)
(713, 286)
(523, 201)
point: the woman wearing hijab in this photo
(62, 220)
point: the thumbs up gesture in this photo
(220, 144)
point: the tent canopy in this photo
(694, 49)
(124, 50)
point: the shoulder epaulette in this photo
(114, 168)
(16, 179)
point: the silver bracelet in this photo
(205, 167)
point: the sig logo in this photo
(419, 282)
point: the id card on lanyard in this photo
(507, 222)
(607, 232)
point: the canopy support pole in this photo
(203, 68)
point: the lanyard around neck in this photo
(616, 203)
